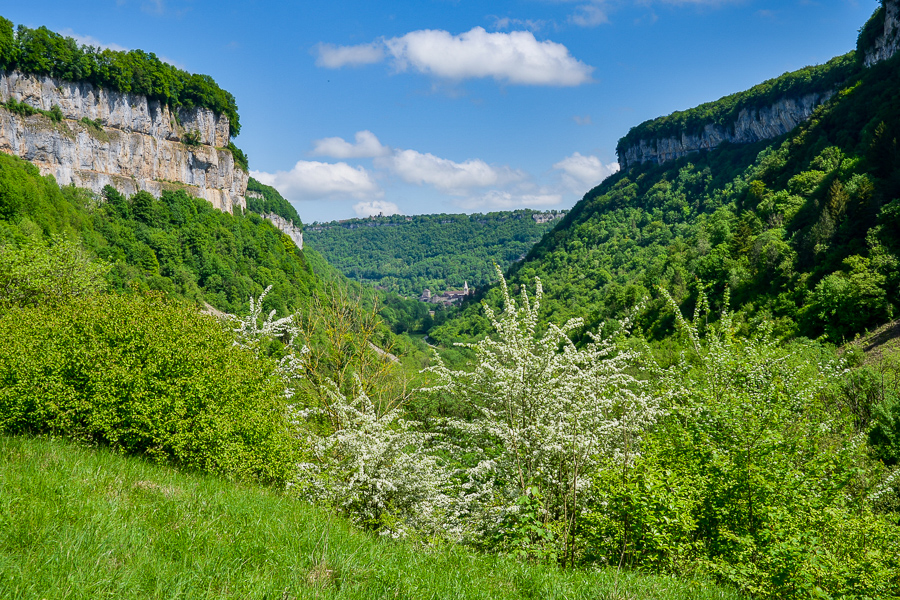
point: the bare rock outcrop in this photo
(887, 44)
(121, 139)
(750, 126)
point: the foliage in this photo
(349, 356)
(176, 244)
(40, 273)
(550, 415)
(44, 52)
(191, 138)
(405, 255)
(240, 159)
(870, 32)
(257, 335)
(751, 476)
(144, 375)
(271, 202)
(371, 464)
(24, 109)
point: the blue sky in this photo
(353, 107)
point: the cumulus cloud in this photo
(366, 146)
(516, 57)
(447, 175)
(312, 180)
(335, 57)
(376, 207)
(581, 173)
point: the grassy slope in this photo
(82, 523)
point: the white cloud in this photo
(447, 175)
(506, 200)
(366, 146)
(515, 57)
(312, 180)
(87, 40)
(589, 15)
(376, 207)
(334, 57)
(581, 173)
(509, 23)
(585, 120)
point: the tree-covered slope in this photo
(803, 230)
(176, 244)
(439, 252)
(263, 199)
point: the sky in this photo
(353, 107)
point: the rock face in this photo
(287, 227)
(750, 126)
(120, 139)
(887, 44)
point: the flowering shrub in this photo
(550, 414)
(252, 333)
(751, 476)
(373, 467)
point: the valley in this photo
(685, 386)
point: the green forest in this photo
(688, 388)
(406, 255)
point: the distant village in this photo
(448, 298)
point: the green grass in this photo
(84, 523)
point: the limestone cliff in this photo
(751, 125)
(771, 109)
(888, 41)
(125, 140)
(287, 227)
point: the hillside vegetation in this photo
(800, 231)
(176, 244)
(440, 252)
(657, 393)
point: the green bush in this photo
(144, 375)
(40, 273)
(752, 477)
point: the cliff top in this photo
(44, 52)
(820, 78)
(724, 112)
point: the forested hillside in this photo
(439, 252)
(801, 231)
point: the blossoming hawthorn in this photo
(550, 413)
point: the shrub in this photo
(40, 273)
(144, 375)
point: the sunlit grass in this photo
(81, 523)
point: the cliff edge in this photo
(121, 139)
(765, 111)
